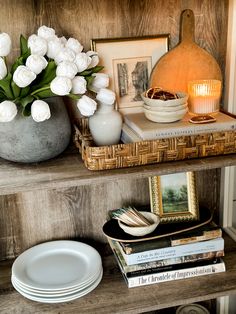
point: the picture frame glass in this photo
(129, 62)
(174, 197)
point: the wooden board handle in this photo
(187, 26)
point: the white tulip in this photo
(101, 80)
(95, 59)
(40, 111)
(36, 63)
(86, 106)
(79, 85)
(46, 32)
(8, 111)
(54, 47)
(65, 54)
(3, 69)
(82, 61)
(63, 40)
(74, 45)
(37, 45)
(23, 76)
(5, 44)
(67, 69)
(106, 96)
(61, 85)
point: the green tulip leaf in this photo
(23, 45)
(74, 97)
(19, 61)
(15, 89)
(96, 69)
(24, 91)
(89, 80)
(5, 85)
(27, 110)
(43, 92)
(46, 76)
(27, 100)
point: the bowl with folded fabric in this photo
(164, 106)
(157, 97)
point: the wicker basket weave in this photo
(152, 151)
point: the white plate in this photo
(164, 117)
(59, 295)
(70, 297)
(54, 292)
(57, 265)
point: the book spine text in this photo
(173, 252)
(174, 275)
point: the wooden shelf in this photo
(68, 170)
(113, 296)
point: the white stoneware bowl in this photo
(141, 231)
(166, 109)
(164, 117)
(183, 97)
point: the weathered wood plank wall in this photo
(33, 217)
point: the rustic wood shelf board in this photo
(112, 292)
(68, 170)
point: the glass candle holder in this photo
(204, 96)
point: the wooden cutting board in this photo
(186, 62)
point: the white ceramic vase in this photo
(105, 125)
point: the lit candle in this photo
(204, 96)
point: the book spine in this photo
(174, 275)
(165, 262)
(207, 235)
(129, 136)
(168, 262)
(173, 252)
(170, 268)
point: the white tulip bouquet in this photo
(49, 66)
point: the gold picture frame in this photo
(174, 197)
(129, 62)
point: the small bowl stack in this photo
(168, 107)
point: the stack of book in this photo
(189, 254)
(137, 128)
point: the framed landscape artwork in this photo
(174, 198)
(129, 62)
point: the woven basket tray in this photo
(152, 151)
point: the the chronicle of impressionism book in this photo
(137, 127)
(160, 263)
(167, 251)
(211, 267)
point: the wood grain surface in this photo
(40, 203)
(42, 212)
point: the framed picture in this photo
(129, 62)
(174, 198)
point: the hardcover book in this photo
(172, 251)
(143, 129)
(206, 232)
(188, 272)
(165, 262)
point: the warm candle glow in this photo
(204, 96)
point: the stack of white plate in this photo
(158, 110)
(57, 271)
